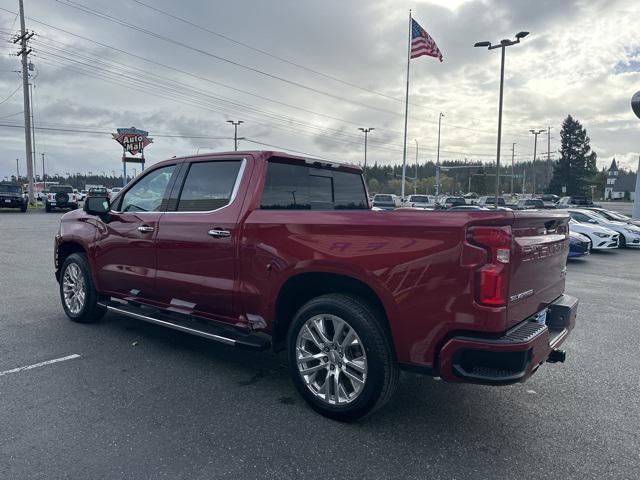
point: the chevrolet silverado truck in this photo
(268, 250)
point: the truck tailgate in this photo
(538, 262)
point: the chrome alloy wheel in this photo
(331, 359)
(74, 288)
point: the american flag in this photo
(422, 43)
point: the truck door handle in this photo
(218, 233)
(145, 229)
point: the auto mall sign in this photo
(132, 139)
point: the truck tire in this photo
(77, 291)
(341, 357)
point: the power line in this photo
(277, 57)
(11, 94)
(110, 18)
(290, 62)
(12, 114)
(215, 82)
(207, 53)
(150, 85)
(106, 132)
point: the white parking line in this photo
(41, 364)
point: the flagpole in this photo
(406, 111)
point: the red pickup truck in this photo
(268, 250)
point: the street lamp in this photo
(535, 147)
(502, 45)
(438, 156)
(366, 133)
(235, 132)
(415, 180)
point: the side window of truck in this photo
(147, 194)
(299, 187)
(208, 186)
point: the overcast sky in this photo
(174, 78)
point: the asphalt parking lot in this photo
(143, 402)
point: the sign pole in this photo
(124, 170)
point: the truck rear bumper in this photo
(513, 357)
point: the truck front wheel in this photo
(77, 292)
(341, 358)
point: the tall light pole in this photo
(502, 45)
(513, 162)
(548, 156)
(235, 132)
(535, 151)
(438, 156)
(415, 180)
(366, 134)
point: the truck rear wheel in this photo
(340, 357)
(77, 292)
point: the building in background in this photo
(621, 185)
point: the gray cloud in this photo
(579, 59)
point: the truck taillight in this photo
(492, 279)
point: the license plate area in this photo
(541, 317)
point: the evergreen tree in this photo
(577, 164)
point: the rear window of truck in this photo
(299, 187)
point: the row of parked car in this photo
(384, 201)
(66, 197)
(591, 227)
(57, 197)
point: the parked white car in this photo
(629, 234)
(601, 238)
(615, 216)
(420, 201)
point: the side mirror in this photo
(593, 221)
(99, 206)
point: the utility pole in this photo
(513, 158)
(24, 52)
(18, 169)
(44, 178)
(535, 146)
(366, 134)
(235, 132)
(548, 156)
(33, 132)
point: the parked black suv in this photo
(61, 196)
(11, 196)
